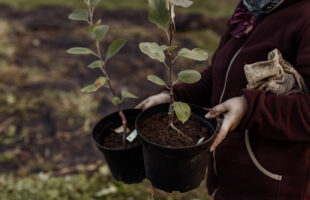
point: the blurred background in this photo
(46, 151)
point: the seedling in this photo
(98, 32)
(161, 12)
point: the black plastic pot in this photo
(127, 164)
(176, 169)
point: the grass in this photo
(98, 186)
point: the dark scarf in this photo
(261, 7)
(243, 21)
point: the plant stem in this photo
(171, 62)
(171, 33)
(91, 12)
(108, 80)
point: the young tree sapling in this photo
(98, 31)
(161, 12)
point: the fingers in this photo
(233, 110)
(162, 97)
(222, 133)
(147, 103)
(216, 111)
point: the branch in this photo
(104, 71)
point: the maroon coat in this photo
(271, 160)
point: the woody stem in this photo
(108, 80)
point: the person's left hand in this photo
(233, 111)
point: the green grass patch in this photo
(99, 186)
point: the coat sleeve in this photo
(286, 117)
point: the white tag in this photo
(200, 140)
(132, 136)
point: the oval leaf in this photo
(126, 94)
(100, 31)
(195, 54)
(79, 51)
(182, 3)
(155, 79)
(89, 89)
(79, 15)
(182, 111)
(159, 14)
(153, 50)
(116, 101)
(115, 47)
(99, 82)
(95, 64)
(189, 76)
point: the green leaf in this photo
(115, 47)
(116, 101)
(89, 89)
(195, 54)
(189, 76)
(79, 15)
(182, 3)
(95, 64)
(153, 50)
(100, 31)
(99, 82)
(182, 110)
(126, 94)
(79, 51)
(94, 3)
(91, 28)
(155, 79)
(159, 14)
(171, 48)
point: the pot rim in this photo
(169, 147)
(107, 116)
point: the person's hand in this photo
(233, 111)
(162, 97)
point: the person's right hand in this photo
(160, 98)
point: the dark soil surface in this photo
(115, 140)
(155, 128)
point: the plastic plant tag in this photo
(132, 136)
(200, 140)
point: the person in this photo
(262, 150)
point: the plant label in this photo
(132, 136)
